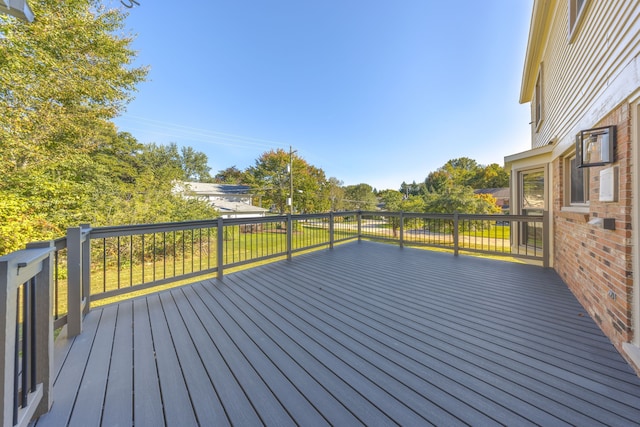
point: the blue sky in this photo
(371, 91)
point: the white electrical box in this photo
(609, 185)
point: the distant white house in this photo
(231, 200)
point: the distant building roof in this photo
(222, 189)
(226, 207)
(498, 193)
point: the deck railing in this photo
(93, 265)
(26, 336)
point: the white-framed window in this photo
(537, 105)
(576, 183)
(576, 9)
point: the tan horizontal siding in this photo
(576, 74)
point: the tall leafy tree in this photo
(360, 197)
(459, 199)
(194, 165)
(64, 76)
(230, 175)
(491, 176)
(334, 192)
(413, 189)
(466, 172)
(270, 179)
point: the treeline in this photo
(448, 189)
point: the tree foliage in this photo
(270, 179)
(194, 165)
(460, 199)
(230, 175)
(466, 172)
(360, 197)
(63, 76)
(334, 192)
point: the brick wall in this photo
(593, 261)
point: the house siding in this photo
(594, 261)
(578, 74)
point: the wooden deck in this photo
(363, 334)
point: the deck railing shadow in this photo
(51, 285)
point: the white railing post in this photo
(74, 281)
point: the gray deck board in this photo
(93, 387)
(373, 359)
(207, 405)
(170, 374)
(233, 399)
(281, 385)
(261, 397)
(72, 370)
(335, 412)
(366, 333)
(147, 399)
(309, 356)
(118, 402)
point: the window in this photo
(537, 101)
(532, 191)
(577, 183)
(576, 7)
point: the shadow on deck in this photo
(363, 334)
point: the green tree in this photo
(413, 189)
(491, 176)
(270, 180)
(462, 172)
(334, 192)
(391, 199)
(395, 201)
(459, 199)
(142, 191)
(194, 165)
(231, 175)
(360, 197)
(64, 76)
(437, 181)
